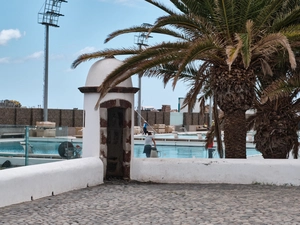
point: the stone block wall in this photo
(164, 118)
(67, 119)
(75, 117)
(54, 116)
(23, 116)
(159, 118)
(8, 116)
(167, 116)
(29, 116)
(36, 114)
(78, 118)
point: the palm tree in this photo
(276, 124)
(277, 118)
(199, 84)
(229, 38)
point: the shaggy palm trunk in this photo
(234, 91)
(276, 129)
(235, 134)
(275, 144)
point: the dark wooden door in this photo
(115, 140)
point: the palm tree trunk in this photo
(235, 134)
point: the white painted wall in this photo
(231, 171)
(32, 182)
(20, 161)
(91, 130)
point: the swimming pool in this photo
(177, 151)
(166, 149)
(35, 148)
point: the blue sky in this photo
(83, 28)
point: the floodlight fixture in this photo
(51, 13)
(48, 17)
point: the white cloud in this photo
(4, 60)
(57, 57)
(7, 35)
(69, 70)
(35, 55)
(86, 50)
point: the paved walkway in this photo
(124, 203)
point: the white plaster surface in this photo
(91, 131)
(231, 171)
(32, 182)
(100, 69)
(96, 75)
(20, 161)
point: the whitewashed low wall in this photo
(32, 182)
(231, 171)
(20, 161)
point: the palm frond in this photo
(269, 45)
(283, 87)
(286, 17)
(233, 51)
(105, 53)
(267, 13)
(144, 29)
(193, 53)
(161, 6)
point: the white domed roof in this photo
(100, 69)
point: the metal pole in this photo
(26, 144)
(46, 74)
(139, 100)
(210, 111)
(140, 96)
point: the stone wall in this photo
(74, 117)
(29, 116)
(164, 118)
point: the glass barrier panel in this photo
(29, 145)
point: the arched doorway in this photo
(115, 136)
(115, 126)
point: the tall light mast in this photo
(49, 17)
(141, 40)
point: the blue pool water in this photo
(183, 152)
(165, 151)
(38, 147)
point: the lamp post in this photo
(49, 17)
(141, 40)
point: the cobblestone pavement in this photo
(146, 203)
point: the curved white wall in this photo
(231, 171)
(27, 183)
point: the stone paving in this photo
(118, 202)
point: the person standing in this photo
(145, 127)
(148, 142)
(210, 147)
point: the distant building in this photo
(10, 104)
(148, 108)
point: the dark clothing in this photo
(145, 128)
(147, 150)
